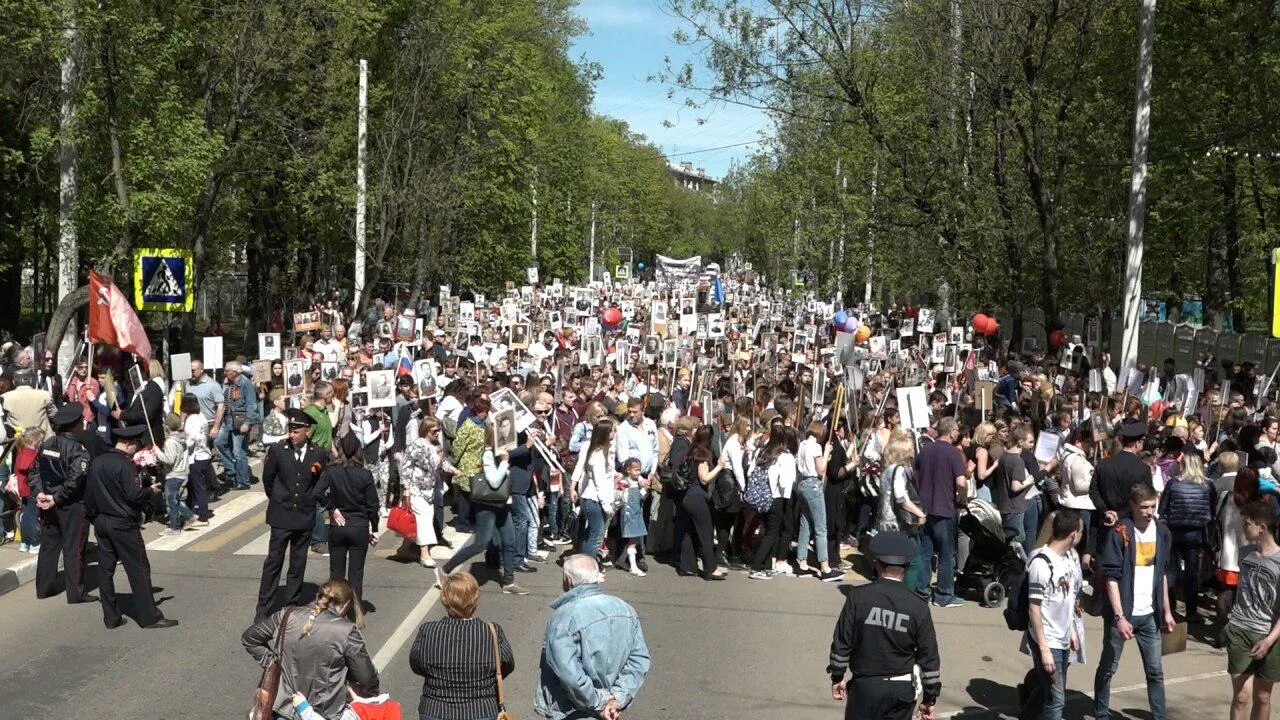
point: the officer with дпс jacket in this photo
(885, 630)
(290, 472)
(57, 480)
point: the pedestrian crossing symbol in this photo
(162, 280)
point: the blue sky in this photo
(629, 39)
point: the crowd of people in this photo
(715, 425)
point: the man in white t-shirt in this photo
(1132, 556)
(1053, 636)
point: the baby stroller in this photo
(993, 563)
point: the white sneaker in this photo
(540, 555)
(170, 532)
(784, 569)
(637, 572)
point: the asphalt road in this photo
(738, 648)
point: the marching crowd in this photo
(751, 440)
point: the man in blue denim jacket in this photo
(1132, 557)
(241, 417)
(594, 658)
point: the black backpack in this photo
(1016, 613)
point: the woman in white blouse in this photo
(727, 508)
(594, 485)
(1075, 478)
(779, 456)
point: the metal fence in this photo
(1183, 342)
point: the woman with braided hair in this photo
(324, 652)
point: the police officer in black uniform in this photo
(290, 472)
(114, 500)
(884, 631)
(58, 483)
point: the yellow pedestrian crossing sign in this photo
(163, 280)
(622, 272)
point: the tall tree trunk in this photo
(125, 243)
(1218, 297)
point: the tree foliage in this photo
(996, 134)
(229, 128)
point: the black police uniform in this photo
(60, 471)
(289, 477)
(114, 499)
(883, 631)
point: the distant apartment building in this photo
(691, 178)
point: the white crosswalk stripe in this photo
(225, 514)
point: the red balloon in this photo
(1056, 338)
(611, 317)
(979, 322)
(992, 326)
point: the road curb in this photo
(17, 575)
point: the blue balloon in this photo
(640, 265)
(840, 318)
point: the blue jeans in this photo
(319, 531)
(178, 510)
(523, 520)
(553, 514)
(1014, 528)
(1146, 631)
(233, 449)
(1048, 697)
(29, 526)
(939, 537)
(493, 524)
(813, 519)
(594, 513)
(1031, 523)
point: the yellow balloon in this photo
(862, 334)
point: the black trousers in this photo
(64, 532)
(728, 527)
(770, 538)
(697, 531)
(878, 698)
(348, 547)
(837, 519)
(126, 547)
(297, 542)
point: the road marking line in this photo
(409, 626)
(261, 544)
(258, 545)
(216, 542)
(995, 711)
(223, 515)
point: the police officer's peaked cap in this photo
(68, 414)
(299, 419)
(130, 432)
(893, 548)
(1132, 430)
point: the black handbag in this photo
(485, 494)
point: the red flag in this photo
(112, 320)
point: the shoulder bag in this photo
(264, 697)
(485, 494)
(497, 673)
